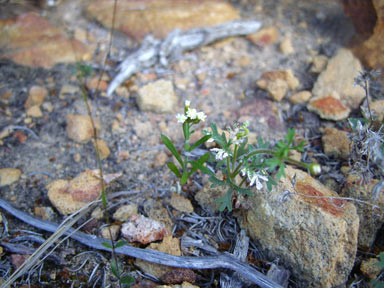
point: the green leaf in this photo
(281, 171)
(226, 201)
(271, 163)
(184, 178)
(353, 122)
(106, 245)
(289, 136)
(377, 283)
(219, 139)
(216, 182)
(186, 130)
(174, 169)
(120, 243)
(200, 142)
(127, 280)
(199, 164)
(115, 268)
(380, 262)
(172, 148)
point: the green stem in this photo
(234, 157)
(272, 153)
(242, 181)
(229, 169)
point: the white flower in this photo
(192, 113)
(181, 118)
(254, 177)
(201, 116)
(221, 154)
(187, 103)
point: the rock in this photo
(156, 211)
(79, 128)
(123, 213)
(70, 196)
(207, 196)
(277, 88)
(181, 204)
(115, 229)
(265, 36)
(31, 40)
(277, 83)
(36, 96)
(301, 97)
(68, 90)
(45, 213)
(315, 237)
(177, 276)
(339, 77)
(160, 17)
(142, 229)
(157, 97)
(286, 47)
(329, 107)
(378, 107)
(363, 16)
(169, 245)
(319, 63)
(9, 176)
(103, 149)
(34, 112)
(94, 83)
(370, 268)
(335, 143)
(160, 159)
(370, 219)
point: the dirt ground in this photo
(228, 90)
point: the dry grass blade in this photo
(62, 229)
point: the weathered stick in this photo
(224, 261)
(154, 51)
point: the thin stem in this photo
(234, 156)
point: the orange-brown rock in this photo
(70, 196)
(31, 40)
(329, 107)
(371, 51)
(137, 18)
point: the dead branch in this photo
(223, 261)
(154, 51)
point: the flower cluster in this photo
(190, 114)
(238, 133)
(254, 177)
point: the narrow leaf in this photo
(120, 243)
(106, 245)
(172, 148)
(174, 169)
(200, 142)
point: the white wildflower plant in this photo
(233, 156)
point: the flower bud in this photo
(315, 168)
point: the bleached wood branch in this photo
(223, 261)
(154, 51)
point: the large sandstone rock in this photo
(138, 18)
(339, 77)
(31, 40)
(315, 237)
(371, 219)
